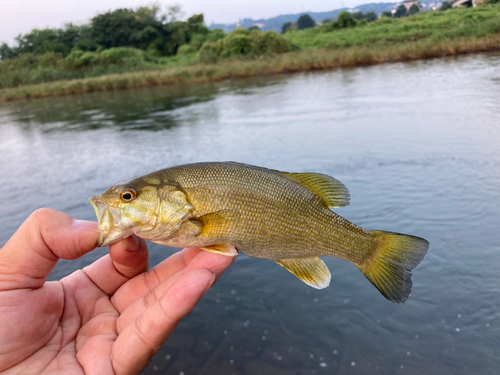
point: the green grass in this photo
(434, 26)
(425, 35)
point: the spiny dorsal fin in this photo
(313, 271)
(331, 191)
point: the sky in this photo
(21, 16)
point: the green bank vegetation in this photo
(189, 52)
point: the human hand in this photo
(109, 318)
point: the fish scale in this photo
(263, 213)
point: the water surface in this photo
(417, 144)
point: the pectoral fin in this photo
(313, 271)
(227, 250)
(216, 224)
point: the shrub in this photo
(215, 34)
(239, 31)
(345, 20)
(209, 53)
(185, 49)
(270, 42)
(118, 55)
(50, 59)
(236, 44)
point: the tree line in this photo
(145, 28)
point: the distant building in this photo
(465, 3)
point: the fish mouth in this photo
(108, 218)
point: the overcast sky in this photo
(21, 16)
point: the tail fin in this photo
(395, 256)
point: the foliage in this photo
(240, 42)
(286, 26)
(413, 9)
(144, 28)
(445, 5)
(472, 23)
(369, 16)
(345, 20)
(305, 22)
(401, 12)
(254, 27)
(425, 34)
(387, 13)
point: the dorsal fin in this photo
(331, 191)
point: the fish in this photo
(229, 207)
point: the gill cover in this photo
(174, 209)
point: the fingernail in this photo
(213, 280)
(132, 247)
(210, 283)
(90, 226)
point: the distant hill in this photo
(277, 22)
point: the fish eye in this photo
(128, 194)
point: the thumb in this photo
(45, 237)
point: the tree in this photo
(305, 22)
(358, 15)
(254, 27)
(370, 16)
(286, 26)
(445, 5)
(401, 12)
(413, 9)
(345, 20)
(387, 13)
(6, 52)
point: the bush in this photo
(239, 31)
(119, 55)
(215, 35)
(345, 20)
(236, 44)
(445, 5)
(185, 49)
(270, 42)
(209, 53)
(50, 59)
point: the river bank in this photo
(423, 36)
(300, 61)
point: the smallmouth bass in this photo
(228, 207)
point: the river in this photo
(416, 143)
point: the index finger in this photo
(45, 237)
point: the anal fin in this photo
(227, 250)
(313, 271)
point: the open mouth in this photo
(108, 218)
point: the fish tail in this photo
(394, 257)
